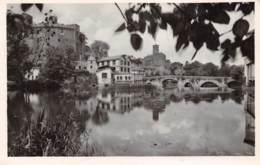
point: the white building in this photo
(137, 71)
(89, 65)
(122, 66)
(33, 74)
(105, 76)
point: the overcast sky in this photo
(99, 21)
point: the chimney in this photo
(155, 49)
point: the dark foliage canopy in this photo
(192, 23)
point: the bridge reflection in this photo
(123, 101)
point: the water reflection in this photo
(123, 122)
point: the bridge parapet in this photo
(194, 81)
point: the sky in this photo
(99, 21)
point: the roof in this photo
(105, 67)
(113, 57)
(137, 61)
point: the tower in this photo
(155, 49)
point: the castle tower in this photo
(155, 49)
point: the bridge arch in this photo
(188, 84)
(169, 82)
(234, 84)
(209, 83)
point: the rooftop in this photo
(113, 57)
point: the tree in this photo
(224, 70)
(192, 23)
(100, 49)
(209, 69)
(58, 66)
(175, 68)
(237, 72)
(18, 28)
(192, 69)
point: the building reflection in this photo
(121, 102)
(250, 118)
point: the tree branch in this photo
(225, 32)
(181, 10)
(121, 12)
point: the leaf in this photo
(247, 8)
(142, 26)
(136, 41)
(121, 27)
(178, 27)
(212, 42)
(226, 44)
(26, 6)
(219, 16)
(194, 54)
(163, 25)
(182, 40)
(152, 28)
(240, 28)
(228, 6)
(39, 6)
(247, 48)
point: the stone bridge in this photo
(194, 82)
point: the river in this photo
(118, 122)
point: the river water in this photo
(141, 122)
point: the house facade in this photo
(89, 65)
(33, 74)
(105, 76)
(122, 67)
(137, 71)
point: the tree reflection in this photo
(100, 117)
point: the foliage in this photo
(237, 72)
(175, 66)
(192, 23)
(100, 49)
(58, 66)
(209, 69)
(18, 28)
(48, 138)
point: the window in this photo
(129, 78)
(122, 62)
(91, 67)
(91, 62)
(114, 62)
(121, 69)
(104, 75)
(120, 77)
(85, 67)
(79, 67)
(125, 77)
(128, 70)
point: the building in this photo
(89, 65)
(156, 63)
(53, 34)
(249, 72)
(121, 65)
(137, 71)
(33, 74)
(105, 75)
